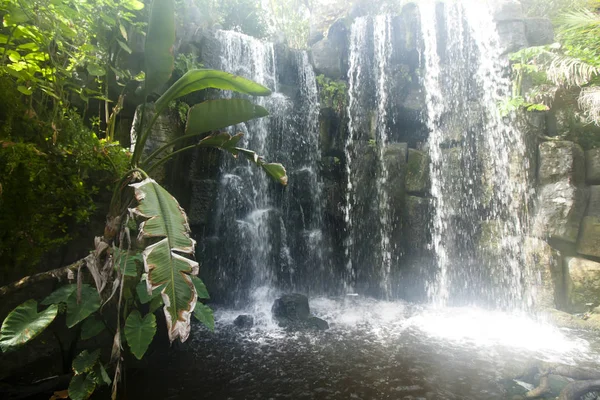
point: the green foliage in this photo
(551, 8)
(333, 94)
(25, 323)
(163, 234)
(139, 332)
(52, 175)
(291, 18)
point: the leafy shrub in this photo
(333, 94)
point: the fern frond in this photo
(589, 101)
(579, 19)
(569, 71)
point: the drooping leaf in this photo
(199, 79)
(91, 327)
(101, 375)
(133, 5)
(124, 46)
(25, 90)
(126, 262)
(90, 303)
(158, 50)
(204, 314)
(274, 170)
(82, 386)
(200, 288)
(85, 361)
(142, 292)
(60, 295)
(156, 303)
(163, 260)
(25, 323)
(139, 332)
(217, 114)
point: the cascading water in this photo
(262, 232)
(479, 167)
(368, 245)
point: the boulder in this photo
(317, 323)
(593, 208)
(545, 265)
(292, 312)
(417, 172)
(244, 321)
(559, 210)
(561, 161)
(291, 307)
(539, 31)
(394, 156)
(327, 59)
(589, 238)
(416, 219)
(592, 166)
(512, 36)
(583, 284)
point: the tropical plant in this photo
(144, 263)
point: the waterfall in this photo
(368, 244)
(479, 167)
(267, 238)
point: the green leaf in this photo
(25, 90)
(95, 70)
(82, 387)
(204, 314)
(91, 327)
(200, 288)
(25, 323)
(123, 31)
(126, 262)
(276, 171)
(156, 303)
(85, 361)
(60, 295)
(158, 50)
(133, 5)
(163, 260)
(139, 332)
(90, 303)
(142, 292)
(217, 114)
(199, 79)
(101, 375)
(124, 46)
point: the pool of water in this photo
(373, 350)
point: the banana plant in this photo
(143, 263)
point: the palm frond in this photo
(579, 19)
(589, 101)
(569, 71)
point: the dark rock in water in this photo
(317, 323)
(292, 312)
(244, 321)
(291, 307)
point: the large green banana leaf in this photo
(199, 79)
(217, 114)
(163, 260)
(158, 49)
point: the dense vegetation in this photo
(564, 77)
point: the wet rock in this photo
(244, 321)
(512, 36)
(592, 166)
(546, 266)
(417, 172)
(202, 198)
(291, 307)
(589, 238)
(559, 211)
(317, 323)
(507, 10)
(583, 283)
(565, 320)
(539, 31)
(593, 208)
(327, 58)
(561, 161)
